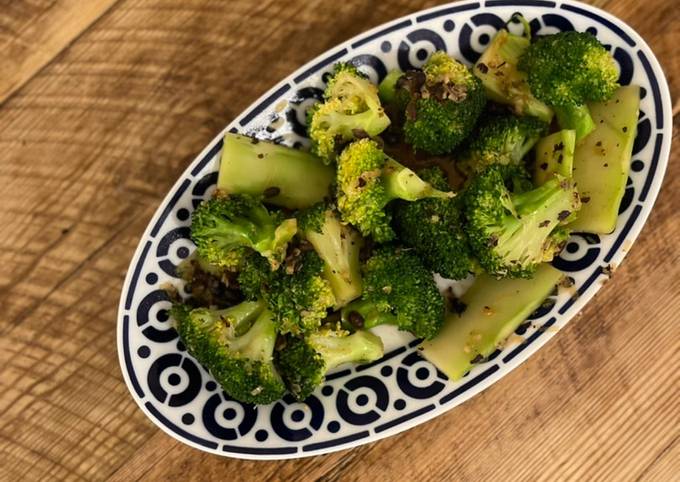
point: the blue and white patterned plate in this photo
(360, 404)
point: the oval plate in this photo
(361, 404)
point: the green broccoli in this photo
(503, 82)
(443, 104)
(566, 70)
(351, 110)
(387, 89)
(433, 228)
(237, 346)
(298, 294)
(284, 176)
(338, 245)
(511, 229)
(500, 139)
(304, 362)
(398, 290)
(367, 180)
(224, 229)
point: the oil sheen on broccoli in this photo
(224, 229)
(433, 228)
(512, 230)
(351, 109)
(566, 70)
(282, 175)
(400, 291)
(298, 294)
(443, 103)
(304, 362)
(338, 245)
(237, 346)
(368, 180)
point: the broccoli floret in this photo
(367, 180)
(236, 345)
(444, 102)
(298, 294)
(398, 290)
(351, 110)
(304, 362)
(224, 229)
(566, 70)
(512, 230)
(338, 245)
(434, 229)
(284, 176)
(503, 82)
(500, 139)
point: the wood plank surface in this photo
(32, 33)
(103, 104)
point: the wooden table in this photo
(104, 102)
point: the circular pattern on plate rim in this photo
(364, 403)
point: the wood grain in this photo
(32, 33)
(104, 113)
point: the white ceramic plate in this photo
(361, 404)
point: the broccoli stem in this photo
(258, 342)
(554, 155)
(577, 118)
(357, 347)
(402, 183)
(364, 314)
(387, 90)
(283, 233)
(284, 176)
(347, 124)
(241, 316)
(539, 212)
(339, 245)
(503, 82)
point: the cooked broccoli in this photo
(387, 89)
(224, 229)
(443, 103)
(351, 110)
(284, 176)
(304, 362)
(566, 70)
(298, 294)
(512, 230)
(368, 180)
(338, 245)
(398, 290)
(433, 228)
(500, 139)
(503, 82)
(237, 345)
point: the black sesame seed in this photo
(356, 319)
(271, 192)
